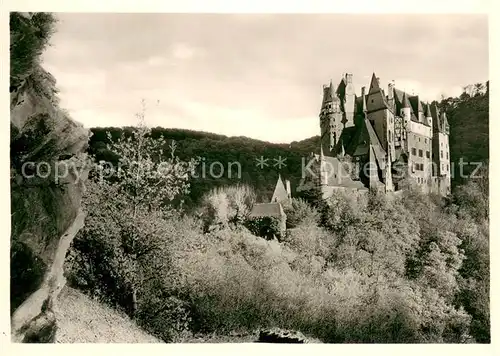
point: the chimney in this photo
(348, 78)
(363, 91)
(288, 189)
(378, 81)
(390, 90)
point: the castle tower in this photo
(406, 110)
(390, 95)
(363, 98)
(441, 150)
(420, 111)
(330, 119)
(380, 115)
(428, 114)
(349, 101)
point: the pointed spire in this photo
(406, 102)
(444, 122)
(375, 84)
(280, 193)
(419, 105)
(327, 93)
(363, 98)
(428, 110)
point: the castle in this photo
(378, 141)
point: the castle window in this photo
(447, 167)
(425, 140)
(414, 151)
(441, 153)
(446, 155)
(427, 154)
(420, 153)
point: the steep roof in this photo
(416, 104)
(336, 173)
(374, 84)
(427, 111)
(267, 209)
(436, 124)
(328, 93)
(375, 143)
(280, 194)
(365, 137)
(405, 102)
(345, 139)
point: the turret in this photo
(349, 101)
(330, 119)
(428, 114)
(405, 108)
(363, 98)
(445, 127)
(420, 111)
(374, 84)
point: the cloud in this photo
(254, 75)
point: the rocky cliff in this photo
(47, 176)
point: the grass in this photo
(82, 320)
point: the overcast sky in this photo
(253, 75)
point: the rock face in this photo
(47, 176)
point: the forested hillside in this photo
(226, 150)
(467, 116)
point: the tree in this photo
(127, 209)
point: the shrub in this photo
(300, 212)
(224, 206)
(122, 254)
(266, 226)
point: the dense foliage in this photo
(29, 35)
(367, 268)
(468, 116)
(351, 269)
(378, 270)
(229, 151)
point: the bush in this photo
(266, 226)
(122, 255)
(225, 206)
(300, 212)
